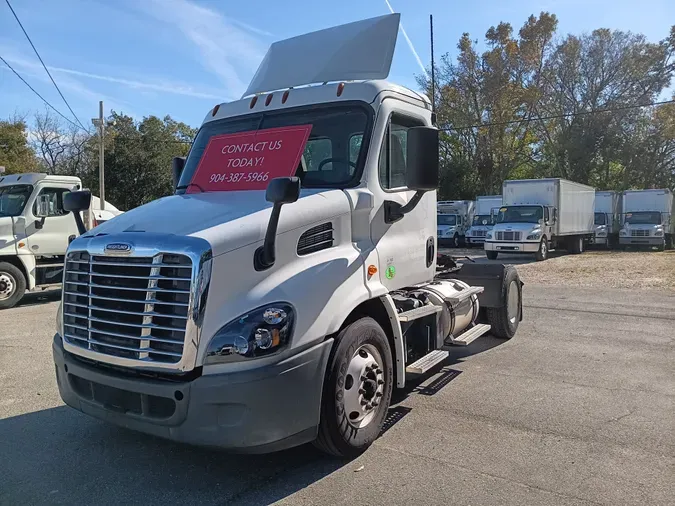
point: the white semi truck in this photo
(292, 282)
(35, 230)
(540, 215)
(647, 219)
(607, 218)
(454, 219)
(487, 208)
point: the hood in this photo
(516, 227)
(227, 220)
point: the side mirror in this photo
(177, 166)
(43, 206)
(75, 202)
(422, 159)
(280, 191)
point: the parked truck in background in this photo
(35, 230)
(454, 219)
(647, 219)
(540, 215)
(297, 281)
(487, 207)
(607, 218)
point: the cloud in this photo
(227, 47)
(410, 44)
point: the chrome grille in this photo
(130, 307)
(639, 233)
(508, 236)
(479, 233)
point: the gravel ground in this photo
(611, 269)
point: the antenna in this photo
(433, 71)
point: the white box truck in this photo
(647, 219)
(540, 215)
(454, 219)
(296, 283)
(487, 208)
(607, 218)
(35, 230)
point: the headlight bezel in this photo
(535, 235)
(237, 341)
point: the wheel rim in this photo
(455, 241)
(512, 303)
(363, 387)
(543, 248)
(7, 285)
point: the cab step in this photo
(427, 362)
(469, 336)
(464, 294)
(418, 312)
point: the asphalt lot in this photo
(577, 409)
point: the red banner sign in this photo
(249, 160)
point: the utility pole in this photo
(100, 124)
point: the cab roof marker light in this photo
(340, 89)
(253, 101)
(215, 110)
(284, 97)
(268, 100)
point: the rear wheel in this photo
(669, 241)
(504, 320)
(455, 241)
(357, 390)
(576, 245)
(12, 285)
(491, 255)
(542, 252)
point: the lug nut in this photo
(369, 406)
(364, 402)
(363, 378)
(375, 403)
(378, 394)
(378, 371)
(380, 382)
(362, 391)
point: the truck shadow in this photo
(38, 298)
(59, 456)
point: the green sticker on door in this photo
(390, 272)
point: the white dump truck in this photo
(487, 208)
(296, 283)
(540, 215)
(454, 219)
(607, 218)
(35, 230)
(647, 219)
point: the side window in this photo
(55, 199)
(393, 163)
(355, 147)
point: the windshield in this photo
(520, 214)
(644, 218)
(333, 156)
(447, 219)
(480, 218)
(600, 219)
(13, 199)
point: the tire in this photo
(504, 320)
(455, 241)
(542, 252)
(341, 433)
(491, 255)
(669, 241)
(662, 246)
(12, 285)
(576, 245)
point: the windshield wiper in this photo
(186, 186)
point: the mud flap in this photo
(489, 276)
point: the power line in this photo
(45, 66)
(556, 116)
(41, 97)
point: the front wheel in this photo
(542, 252)
(357, 390)
(455, 241)
(669, 241)
(504, 320)
(491, 255)
(12, 285)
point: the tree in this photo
(15, 152)
(61, 149)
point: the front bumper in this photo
(642, 241)
(475, 240)
(255, 411)
(512, 247)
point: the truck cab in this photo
(454, 219)
(292, 281)
(487, 208)
(647, 219)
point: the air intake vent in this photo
(316, 239)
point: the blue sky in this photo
(180, 57)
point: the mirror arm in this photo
(80, 224)
(265, 255)
(393, 211)
(39, 224)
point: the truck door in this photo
(49, 236)
(407, 248)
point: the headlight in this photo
(259, 333)
(658, 232)
(623, 232)
(488, 235)
(602, 233)
(534, 236)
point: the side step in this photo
(427, 362)
(465, 294)
(469, 336)
(419, 312)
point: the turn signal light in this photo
(371, 271)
